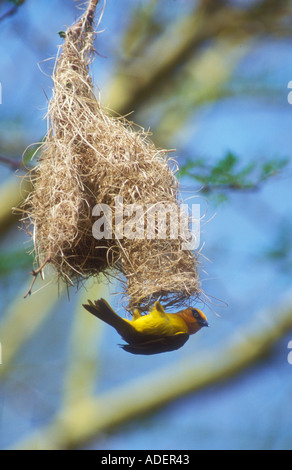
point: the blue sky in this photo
(255, 126)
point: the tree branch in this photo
(86, 20)
(136, 82)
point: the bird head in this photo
(194, 318)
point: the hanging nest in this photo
(89, 158)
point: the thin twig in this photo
(35, 275)
(9, 12)
(14, 164)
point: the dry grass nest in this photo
(90, 157)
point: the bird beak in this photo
(203, 323)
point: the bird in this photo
(152, 333)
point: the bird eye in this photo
(195, 313)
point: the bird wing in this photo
(139, 342)
(157, 345)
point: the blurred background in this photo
(210, 78)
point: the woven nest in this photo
(90, 158)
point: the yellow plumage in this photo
(153, 333)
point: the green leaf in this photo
(62, 34)
(229, 174)
(273, 167)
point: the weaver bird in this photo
(154, 333)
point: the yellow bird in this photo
(154, 333)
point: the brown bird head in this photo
(194, 318)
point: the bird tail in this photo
(102, 310)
